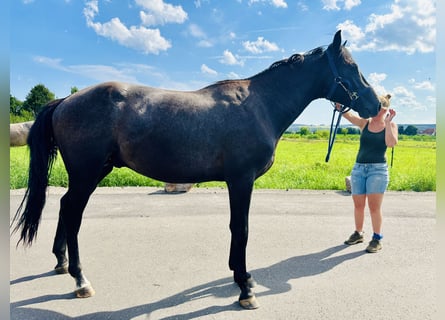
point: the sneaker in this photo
(354, 238)
(374, 246)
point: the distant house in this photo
(429, 132)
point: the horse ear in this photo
(336, 43)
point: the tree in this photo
(324, 134)
(401, 130)
(37, 98)
(304, 131)
(14, 105)
(410, 130)
(74, 89)
(353, 130)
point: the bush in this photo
(23, 116)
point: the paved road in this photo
(150, 255)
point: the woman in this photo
(369, 177)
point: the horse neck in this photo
(286, 94)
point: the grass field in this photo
(299, 164)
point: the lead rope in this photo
(392, 156)
(333, 131)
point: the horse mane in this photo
(294, 60)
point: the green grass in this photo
(299, 164)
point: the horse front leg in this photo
(59, 248)
(240, 194)
(72, 206)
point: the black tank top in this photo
(372, 147)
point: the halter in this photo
(338, 81)
(353, 96)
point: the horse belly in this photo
(174, 161)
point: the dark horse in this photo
(227, 131)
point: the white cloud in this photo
(146, 40)
(409, 26)
(351, 32)
(55, 63)
(334, 4)
(330, 5)
(303, 6)
(207, 70)
(260, 46)
(405, 98)
(279, 3)
(380, 21)
(196, 31)
(424, 85)
(96, 72)
(205, 44)
(349, 4)
(139, 38)
(233, 75)
(375, 80)
(160, 13)
(275, 3)
(229, 59)
(102, 73)
(91, 9)
(377, 77)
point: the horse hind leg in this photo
(59, 248)
(59, 245)
(72, 205)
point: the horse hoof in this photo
(85, 292)
(61, 269)
(250, 303)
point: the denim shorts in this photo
(367, 178)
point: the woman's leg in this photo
(375, 208)
(359, 211)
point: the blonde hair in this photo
(384, 101)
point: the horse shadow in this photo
(274, 278)
(33, 277)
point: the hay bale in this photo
(348, 183)
(18, 133)
(177, 187)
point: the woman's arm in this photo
(353, 118)
(392, 131)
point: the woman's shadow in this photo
(275, 278)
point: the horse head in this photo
(348, 86)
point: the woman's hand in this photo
(390, 115)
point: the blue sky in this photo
(186, 45)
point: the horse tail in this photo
(43, 152)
